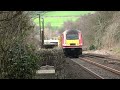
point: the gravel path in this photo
(74, 71)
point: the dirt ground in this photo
(108, 53)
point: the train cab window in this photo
(72, 36)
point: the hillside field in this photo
(58, 21)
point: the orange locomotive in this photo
(71, 42)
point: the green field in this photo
(58, 21)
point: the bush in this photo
(50, 56)
(54, 57)
(17, 59)
(92, 47)
(20, 62)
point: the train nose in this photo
(72, 42)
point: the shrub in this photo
(20, 63)
(92, 47)
(50, 56)
(17, 59)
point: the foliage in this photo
(100, 29)
(92, 47)
(21, 62)
(52, 57)
(17, 58)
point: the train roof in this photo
(68, 31)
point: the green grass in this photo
(66, 13)
(55, 21)
(117, 50)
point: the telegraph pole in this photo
(40, 29)
(42, 32)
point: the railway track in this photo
(79, 71)
(97, 69)
(103, 66)
(113, 63)
(101, 56)
(90, 71)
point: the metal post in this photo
(40, 28)
(42, 32)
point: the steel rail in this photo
(102, 66)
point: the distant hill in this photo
(57, 18)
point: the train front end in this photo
(72, 43)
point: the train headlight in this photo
(64, 44)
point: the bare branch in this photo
(14, 16)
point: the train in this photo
(71, 42)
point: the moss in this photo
(116, 50)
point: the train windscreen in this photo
(72, 35)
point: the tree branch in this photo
(17, 14)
